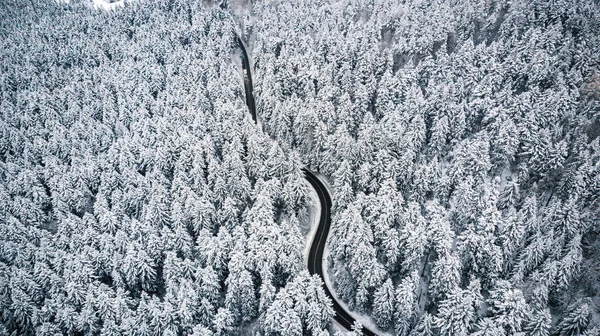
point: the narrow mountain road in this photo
(315, 257)
(247, 80)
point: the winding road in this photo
(247, 80)
(315, 256)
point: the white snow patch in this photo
(259, 123)
(106, 5)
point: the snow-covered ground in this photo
(314, 213)
(106, 5)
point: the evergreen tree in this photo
(508, 306)
(223, 322)
(383, 304)
(425, 326)
(575, 321)
(240, 299)
(539, 323)
(445, 276)
(406, 303)
(458, 312)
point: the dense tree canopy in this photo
(461, 142)
(137, 196)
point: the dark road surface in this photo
(315, 257)
(247, 80)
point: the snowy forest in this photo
(460, 140)
(137, 196)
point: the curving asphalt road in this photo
(248, 87)
(315, 256)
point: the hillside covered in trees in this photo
(461, 140)
(137, 197)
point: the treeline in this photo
(137, 196)
(461, 141)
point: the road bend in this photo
(317, 248)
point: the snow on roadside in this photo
(326, 183)
(314, 213)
